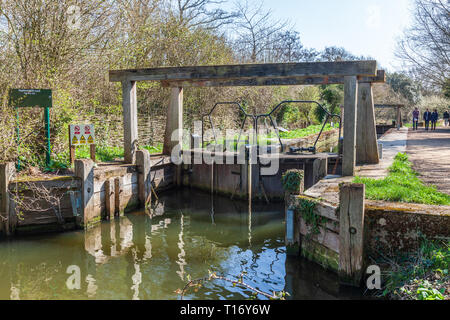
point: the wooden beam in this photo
(350, 110)
(174, 121)
(366, 133)
(351, 232)
(7, 170)
(286, 81)
(388, 106)
(130, 128)
(243, 71)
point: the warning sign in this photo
(81, 134)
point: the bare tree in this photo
(425, 46)
(207, 14)
(257, 31)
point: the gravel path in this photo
(429, 151)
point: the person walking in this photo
(434, 119)
(415, 118)
(446, 118)
(427, 119)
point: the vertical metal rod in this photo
(47, 133)
(18, 139)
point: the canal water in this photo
(142, 257)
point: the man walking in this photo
(446, 118)
(434, 119)
(415, 118)
(427, 118)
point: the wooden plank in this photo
(351, 232)
(285, 81)
(109, 199)
(84, 169)
(325, 236)
(174, 122)
(366, 133)
(350, 110)
(242, 71)
(381, 106)
(144, 178)
(6, 173)
(118, 203)
(130, 127)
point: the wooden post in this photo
(366, 133)
(350, 109)
(7, 171)
(110, 199)
(92, 151)
(351, 230)
(144, 179)
(292, 233)
(399, 118)
(71, 151)
(174, 121)
(84, 169)
(118, 190)
(130, 127)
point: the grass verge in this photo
(402, 185)
(423, 275)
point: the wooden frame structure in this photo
(399, 112)
(357, 77)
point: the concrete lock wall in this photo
(82, 200)
(387, 228)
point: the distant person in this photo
(415, 118)
(446, 118)
(427, 119)
(434, 119)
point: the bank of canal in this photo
(138, 257)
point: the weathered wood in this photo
(366, 133)
(351, 198)
(84, 169)
(130, 128)
(92, 151)
(286, 81)
(72, 150)
(325, 237)
(174, 122)
(144, 179)
(110, 199)
(268, 70)
(118, 203)
(6, 173)
(350, 110)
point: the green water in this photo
(138, 257)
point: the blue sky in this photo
(363, 27)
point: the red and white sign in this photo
(79, 137)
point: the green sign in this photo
(30, 98)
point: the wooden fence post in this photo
(351, 230)
(84, 169)
(292, 225)
(7, 171)
(110, 199)
(118, 190)
(143, 163)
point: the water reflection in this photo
(143, 257)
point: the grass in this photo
(102, 154)
(423, 275)
(269, 139)
(300, 133)
(402, 185)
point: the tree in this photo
(404, 85)
(257, 31)
(425, 46)
(198, 13)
